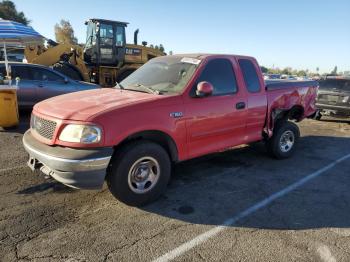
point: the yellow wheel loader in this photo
(104, 59)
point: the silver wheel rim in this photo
(143, 175)
(287, 141)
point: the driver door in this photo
(218, 121)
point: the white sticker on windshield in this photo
(190, 60)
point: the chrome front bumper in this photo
(78, 168)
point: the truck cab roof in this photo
(207, 55)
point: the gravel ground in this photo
(41, 220)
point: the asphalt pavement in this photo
(239, 205)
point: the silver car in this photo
(39, 82)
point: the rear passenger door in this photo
(49, 83)
(256, 99)
(218, 121)
(27, 88)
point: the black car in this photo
(333, 97)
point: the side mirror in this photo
(204, 89)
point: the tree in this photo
(274, 71)
(287, 71)
(8, 11)
(64, 32)
(264, 69)
(161, 48)
(335, 71)
(302, 73)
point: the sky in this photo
(299, 34)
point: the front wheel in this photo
(284, 139)
(139, 173)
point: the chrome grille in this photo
(43, 127)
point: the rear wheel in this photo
(139, 173)
(283, 142)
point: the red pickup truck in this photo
(172, 109)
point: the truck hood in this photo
(83, 105)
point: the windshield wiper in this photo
(148, 89)
(119, 86)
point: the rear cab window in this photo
(340, 84)
(250, 75)
(329, 83)
(219, 72)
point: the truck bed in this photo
(283, 95)
(280, 84)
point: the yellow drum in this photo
(8, 107)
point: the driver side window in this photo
(219, 72)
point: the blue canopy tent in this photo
(16, 33)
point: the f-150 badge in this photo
(176, 114)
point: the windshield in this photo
(162, 75)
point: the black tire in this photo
(122, 163)
(68, 70)
(278, 148)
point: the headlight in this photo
(86, 134)
(345, 99)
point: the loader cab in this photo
(105, 42)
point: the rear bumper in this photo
(341, 110)
(78, 168)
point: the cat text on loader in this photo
(104, 59)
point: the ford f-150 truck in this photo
(171, 109)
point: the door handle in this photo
(40, 85)
(240, 105)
